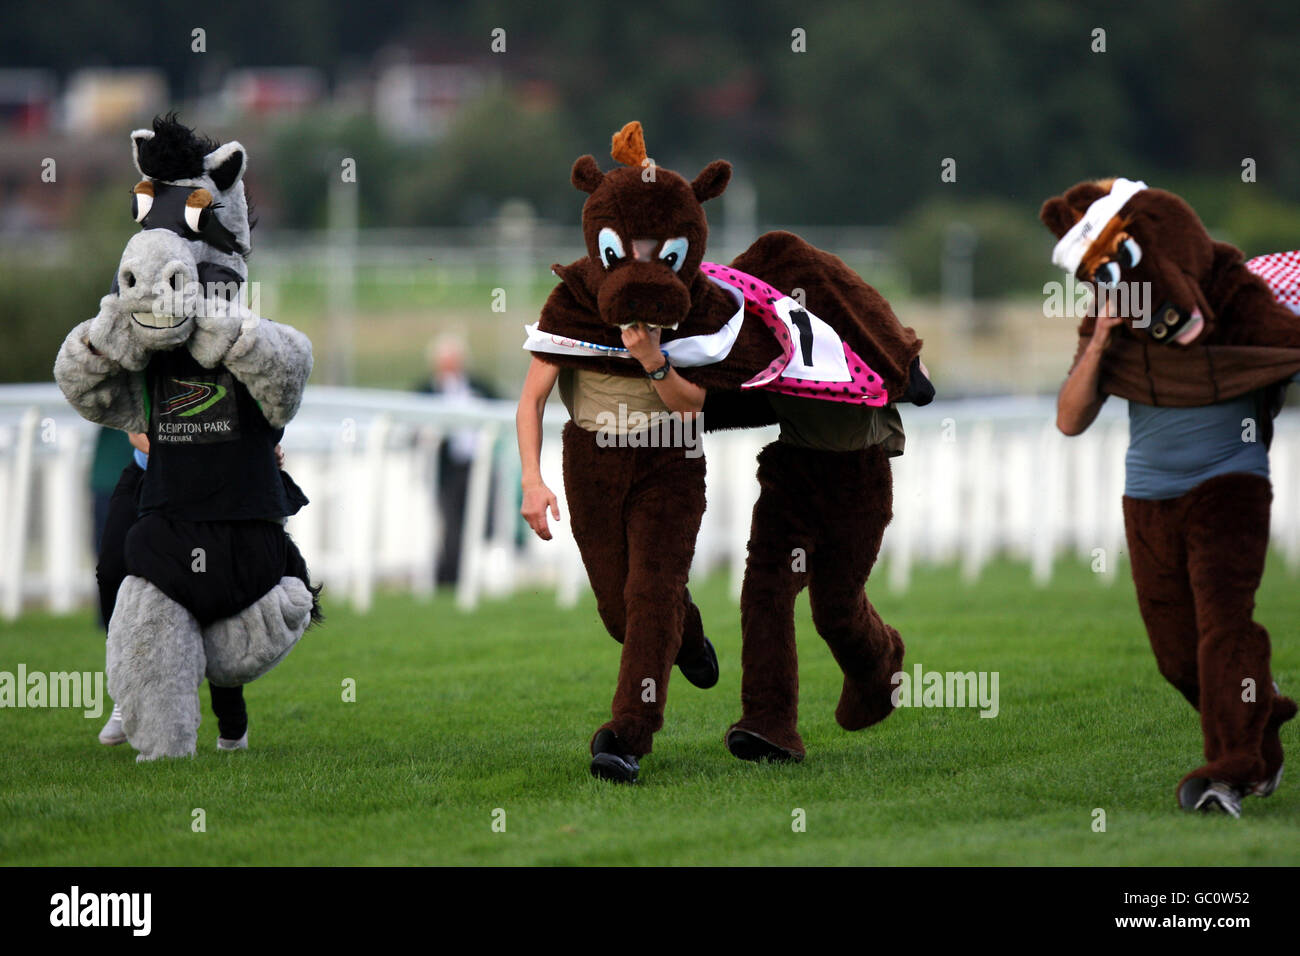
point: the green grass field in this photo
(457, 715)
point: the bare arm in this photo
(1081, 398)
(677, 393)
(528, 427)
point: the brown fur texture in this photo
(635, 513)
(835, 506)
(1197, 561)
(596, 297)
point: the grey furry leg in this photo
(245, 646)
(155, 664)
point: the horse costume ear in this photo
(712, 180)
(138, 137)
(586, 174)
(1083, 195)
(226, 164)
(1058, 216)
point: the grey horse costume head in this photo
(195, 237)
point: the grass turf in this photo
(459, 715)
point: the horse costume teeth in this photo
(152, 321)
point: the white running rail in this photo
(980, 479)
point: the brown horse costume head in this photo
(645, 232)
(1116, 231)
(646, 228)
(1208, 329)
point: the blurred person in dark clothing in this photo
(450, 378)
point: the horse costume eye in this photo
(141, 200)
(1107, 274)
(610, 246)
(198, 209)
(1129, 254)
(673, 253)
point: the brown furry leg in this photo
(769, 687)
(596, 480)
(851, 527)
(1158, 556)
(663, 512)
(1227, 540)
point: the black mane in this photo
(175, 152)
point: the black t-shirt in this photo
(211, 450)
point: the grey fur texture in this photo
(274, 361)
(99, 388)
(242, 648)
(155, 665)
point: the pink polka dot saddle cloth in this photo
(814, 362)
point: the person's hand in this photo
(139, 441)
(279, 457)
(642, 342)
(1105, 325)
(537, 500)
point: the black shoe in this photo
(608, 763)
(701, 670)
(750, 746)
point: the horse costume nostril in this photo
(128, 279)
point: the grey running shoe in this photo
(112, 734)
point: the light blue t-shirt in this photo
(141, 458)
(1172, 450)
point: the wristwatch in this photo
(659, 374)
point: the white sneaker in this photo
(112, 734)
(240, 744)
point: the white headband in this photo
(1069, 252)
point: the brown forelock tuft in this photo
(628, 146)
(663, 208)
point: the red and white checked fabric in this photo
(1281, 271)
